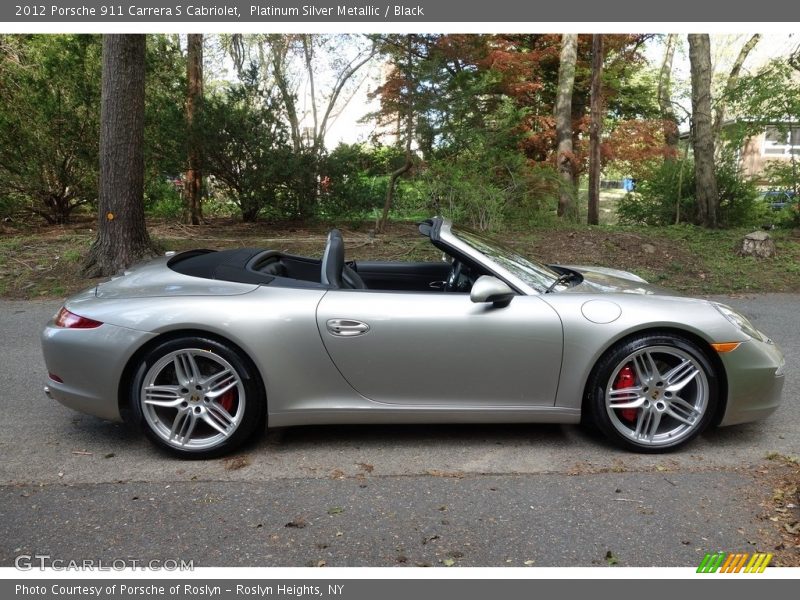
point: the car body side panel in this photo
(755, 381)
(155, 278)
(376, 413)
(274, 326)
(433, 348)
(277, 329)
(89, 362)
(586, 341)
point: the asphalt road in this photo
(76, 486)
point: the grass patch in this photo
(46, 262)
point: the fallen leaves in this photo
(794, 528)
(782, 508)
(234, 463)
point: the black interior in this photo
(411, 276)
(270, 267)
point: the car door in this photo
(442, 349)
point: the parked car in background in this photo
(779, 199)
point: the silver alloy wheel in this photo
(192, 399)
(670, 395)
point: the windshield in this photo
(535, 274)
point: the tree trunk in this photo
(122, 237)
(665, 94)
(194, 98)
(730, 85)
(680, 184)
(387, 203)
(595, 130)
(563, 117)
(793, 159)
(703, 136)
(409, 133)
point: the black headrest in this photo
(333, 260)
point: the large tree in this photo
(565, 159)
(194, 100)
(122, 237)
(595, 130)
(399, 94)
(702, 129)
(665, 93)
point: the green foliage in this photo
(162, 198)
(8, 207)
(486, 197)
(353, 181)
(783, 175)
(246, 150)
(770, 98)
(655, 200)
(165, 95)
(488, 180)
(49, 122)
(738, 197)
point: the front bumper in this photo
(90, 363)
(755, 381)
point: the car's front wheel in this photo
(197, 397)
(653, 393)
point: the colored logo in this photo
(723, 562)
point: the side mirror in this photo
(491, 289)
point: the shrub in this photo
(162, 198)
(738, 197)
(656, 197)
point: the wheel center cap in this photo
(195, 398)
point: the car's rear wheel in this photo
(653, 393)
(197, 397)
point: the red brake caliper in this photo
(226, 400)
(626, 379)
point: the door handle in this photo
(347, 327)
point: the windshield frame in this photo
(505, 263)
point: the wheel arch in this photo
(701, 342)
(129, 371)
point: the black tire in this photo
(225, 392)
(672, 420)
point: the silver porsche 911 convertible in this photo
(204, 348)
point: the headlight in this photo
(739, 321)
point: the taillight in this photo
(70, 320)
